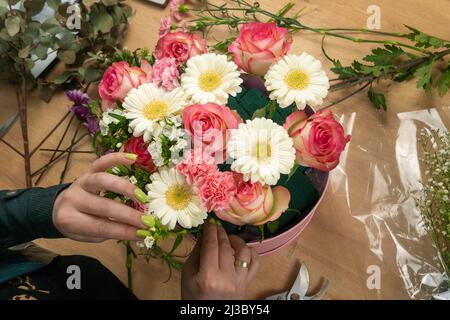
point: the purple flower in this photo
(80, 103)
(80, 108)
(92, 124)
(78, 97)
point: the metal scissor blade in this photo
(7, 125)
(280, 296)
(301, 284)
(323, 289)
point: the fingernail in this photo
(140, 195)
(140, 233)
(148, 221)
(131, 156)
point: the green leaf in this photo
(102, 21)
(424, 40)
(443, 83)
(176, 244)
(343, 72)
(92, 75)
(12, 25)
(377, 99)
(260, 113)
(63, 78)
(384, 56)
(24, 52)
(41, 52)
(424, 75)
(67, 56)
(34, 6)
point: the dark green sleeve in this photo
(26, 215)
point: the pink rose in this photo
(254, 203)
(259, 45)
(216, 190)
(164, 26)
(208, 124)
(180, 45)
(196, 166)
(318, 140)
(140, 148)
(166, 73)
(119, 79)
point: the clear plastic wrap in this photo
(379, 175)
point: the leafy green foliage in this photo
(443, 83)
(24, 40)
(424, 40)
(424, 75)
(378, 99)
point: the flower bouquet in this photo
(231, 137)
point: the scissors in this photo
(300, 287)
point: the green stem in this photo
(129, 264)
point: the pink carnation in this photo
(196, 166)
(166, 73)
(164, 26)
(176, 12)
(217, 190)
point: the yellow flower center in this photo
(263, 150)
(209, 81)
(156, 109)
(178, 196)
(296, 79)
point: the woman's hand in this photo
(215, 270)
(80, 213)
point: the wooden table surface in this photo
(335, 245)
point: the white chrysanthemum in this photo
(262, 150)
(174, 200)
(210, 78)
(297, 79)
(148, 104)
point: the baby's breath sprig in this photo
(434, 199)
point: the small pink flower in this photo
(164, 27)
(178, 10)
(217, 190)
(166, 73)
(196, 166)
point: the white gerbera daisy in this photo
(298, 79)
(262, 150)
(210, 78)
(174, 200)
(148, 104)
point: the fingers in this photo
(102, 181)
(191, 265)
(254, 265)
(209, 253)
(226, 252)
(104, 229)
(242, 253)
(107, 208)
(111, 160)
